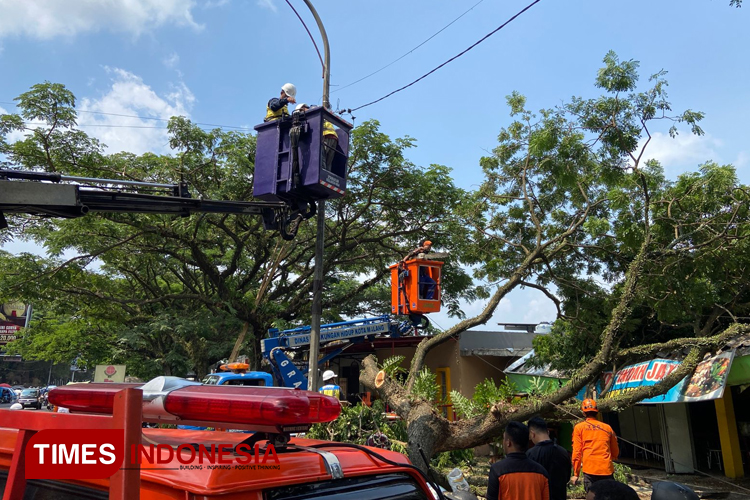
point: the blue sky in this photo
(219, 61)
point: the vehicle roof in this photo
(232, 375)
(295, 466)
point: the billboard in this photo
(13, 317)
(707, 382)
(109, 373)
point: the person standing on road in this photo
(516, 477)
(594, 448)
(554, 458)
(331, 388)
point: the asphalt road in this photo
(6, 406)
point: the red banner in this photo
(74, 454)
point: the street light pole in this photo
(317, 306)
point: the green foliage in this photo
(539, 386)
(622, 472)
(359, 422)
(485, 395)
(573, 186)
(455, 458)
(137, 275)
(425, 386)
(392, 366)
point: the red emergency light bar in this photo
(89, 398)
(264, 406)
(250, 407)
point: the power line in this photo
(452, 58)
(412, 50)
(310, 34)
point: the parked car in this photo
(30, 398)
(7, 395)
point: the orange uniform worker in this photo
(425, 247)
(594, 448)
(517, 477)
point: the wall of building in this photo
(466, 372)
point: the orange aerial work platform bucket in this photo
(415, 286)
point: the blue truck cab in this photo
(237, 374)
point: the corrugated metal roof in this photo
(502, 343)
(523, 367)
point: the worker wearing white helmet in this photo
(16, 406)
(331, 388)
(277, 107)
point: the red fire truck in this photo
(296, 468)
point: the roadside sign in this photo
(109, 373)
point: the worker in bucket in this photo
(330, 139)
(420, 252)
(331, 388)
(277, 107)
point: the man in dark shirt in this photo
(554, 458)
(276, 109)
(516, 477)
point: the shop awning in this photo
(708, 380)
(730, 367)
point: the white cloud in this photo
(129, 95)
(213, 4)
(539, 310)
(683, 153)
(172, 60)
(268, 4)
(45, 19)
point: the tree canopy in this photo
(570, 205)
(180, 289)
(635, 263)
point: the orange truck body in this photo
(301, 463)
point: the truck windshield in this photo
(256, 382)
(210, 380)
(381, 487)
(30, 393)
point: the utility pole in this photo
(317, 306)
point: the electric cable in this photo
(311, 37)
(451, 59)
(412, 50)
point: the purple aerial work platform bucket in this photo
(275, 178)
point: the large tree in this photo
(149, 274)
(569, 202)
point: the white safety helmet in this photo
(16, 406)
(289, 89)
(328, 375)
(301, 106)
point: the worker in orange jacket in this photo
(594, 448)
